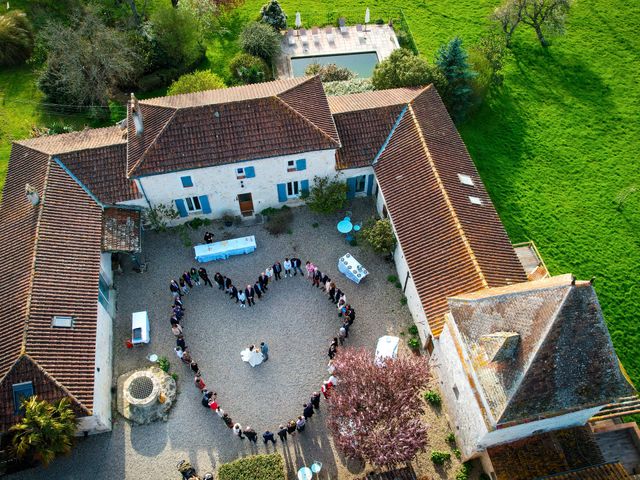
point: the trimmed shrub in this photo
(433, 398)
(413, 330)
(273, 15)
(330, 72)
(439, 458)
(327, 195)
(196, 82)
(246, 69)
(379, 235)
(16, 38)
(346, 87)
(264, 467)
(260, 40)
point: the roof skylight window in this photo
(475, 200)
(61, 321)
(465, 179)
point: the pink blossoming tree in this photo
(375, 411)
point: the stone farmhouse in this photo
(516, 358)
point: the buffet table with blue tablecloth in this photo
(225, 249)
(351, 268)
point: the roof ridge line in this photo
(447, 200)
(543, 339)
(325, 134)
(77, 180)
(139, 162)
(32, 273)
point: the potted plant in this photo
(414, 344)
(227, 219)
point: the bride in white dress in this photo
(252, 356)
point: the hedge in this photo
(263, 467)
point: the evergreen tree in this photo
(451, 59)
(272, 14)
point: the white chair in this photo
(343, 25)
(291, 40)
(316, 35)
(330, 37)
(303, 37)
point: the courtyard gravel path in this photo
(295, 319)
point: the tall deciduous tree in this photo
(45, 431)
(327, 195)
(545, 15)
(16, 38)
(451, 59)
(405, 69)
(379, 235)
(508, 17)
(375, 411)
(86, 60)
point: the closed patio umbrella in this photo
(367, 17)
(298, 20)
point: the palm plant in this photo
(16, 38)
(46, 430)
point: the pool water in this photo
(360, 63)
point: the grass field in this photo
(556, 145)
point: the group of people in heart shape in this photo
(246, 296)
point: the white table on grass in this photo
(351, 268)
(222, 250)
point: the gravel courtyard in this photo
(295, 319)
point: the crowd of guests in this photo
(289, 268)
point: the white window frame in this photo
(465, 179)
(240, 174)
(295, 188)
(475, 200)
(191, 202)
(62, 321)
(291, 166)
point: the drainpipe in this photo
(406, 280)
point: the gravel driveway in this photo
(295, 319)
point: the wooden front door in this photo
(246, 204)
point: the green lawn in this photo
(556, 145)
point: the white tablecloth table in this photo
(351, 268)
(208, 252)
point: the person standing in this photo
(220, 412)
(332, 292)
(226, 281)
(325, 278)
(268, 437)
(176, 329)
(263, 280)
(175, 289)
(326, 389)
(315, 400)
(291, 427)
(287, 268)
(181, 343)
(195, 276)
(310, 268)
(251, 434)
(350, 314)
(208, 237)
(308, 411)
(296, 263)
(198, 381)
(242, 297)
(250, 293)
(282, 433)
(205, 276)
(194, 367)
(317, 276)
(258, 290)
(206, 396)
(346, 326)
(237, 430)
(233, 293)
(342, 334)
(187, 279)
(178, 312)
(183, 286)
(333, 349)
(277, 270)
(217, 277)
(264, 349)
(300, 424)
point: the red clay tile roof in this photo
(564, 360)
(364, 121)
(97, 157)
(545, 454)
(284, 117)
(608, 471)
(451, 245)
(121, 230)
(47, 251)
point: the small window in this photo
(293, 189)
(61, 321)
(21, 391)
(465, 179)
(475, 200)
(193, 204)
(456, 392)
(291, 166)
(240, 173)
(186, 181)
(361, 183)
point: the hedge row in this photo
(263, 467)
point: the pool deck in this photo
(377, 38)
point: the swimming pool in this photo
(361, 63)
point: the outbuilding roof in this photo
(283, 117)
(564, 359)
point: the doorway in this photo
(246, 204)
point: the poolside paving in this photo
(294, 318)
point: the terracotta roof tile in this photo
(608, 471)
(71, 142)
(121, 230)
(368, 100)
(545, 454)
(458, 246)
(564, 360)
(284, 117)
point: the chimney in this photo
(136, 114)
(32, 194)
(500, 346)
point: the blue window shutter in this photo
(304, 186)
(182, 209)
(21, 391)
(186, 181)
(204, 203)
(282, 192)
(370, 185)
(351, 187)
(301, 164)
(249, 172)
